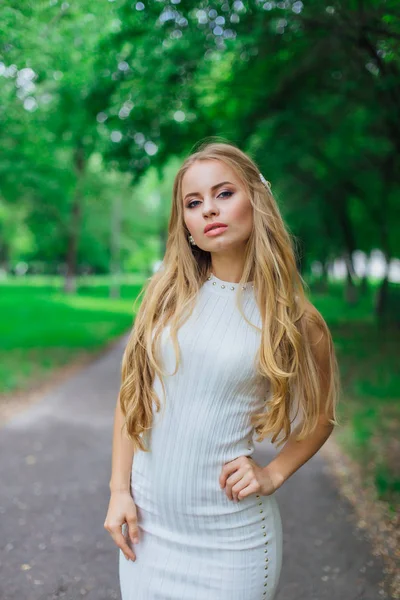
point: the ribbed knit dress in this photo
(196, 543)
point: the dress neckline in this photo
(226, 288)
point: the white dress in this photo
(196, 543)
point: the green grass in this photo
(42, 327)
(369, 408)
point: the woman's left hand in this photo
(243, 476)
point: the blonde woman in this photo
(225, 345)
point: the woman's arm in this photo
(243, 476)
(121, 509)
(122, 455)
(294, 454)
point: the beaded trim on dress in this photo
(226, 287)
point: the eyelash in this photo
(191, 203)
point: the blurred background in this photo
(99, 104)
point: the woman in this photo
(194, 516)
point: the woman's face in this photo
(206, 201)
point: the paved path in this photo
(54, 473)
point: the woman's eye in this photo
(190, 205)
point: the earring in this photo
(191, 240)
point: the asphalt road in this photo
(54, 472)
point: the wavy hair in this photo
(285, 356)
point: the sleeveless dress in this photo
(194, 542)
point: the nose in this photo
(209, 208)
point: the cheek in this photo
(242, 214)
(190, 221)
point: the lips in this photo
(214, 226)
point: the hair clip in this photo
(265, 182)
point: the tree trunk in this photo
(350, 290)
(364, 286)
(324, 281)
(4, 257)
(74, 225)
(115, 259)
(382, 308)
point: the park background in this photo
(99, 104)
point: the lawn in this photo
(369, 407)
(43, 328)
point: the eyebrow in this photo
(214, 187)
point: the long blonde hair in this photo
(285, 355)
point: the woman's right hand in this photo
(122, 509)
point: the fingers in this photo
(120, 540)
(246, 490)
(122, 523)
(232, 480)
(238, 488)
(227, 469)
(122, 543)
(236, 476)
(133, 529)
